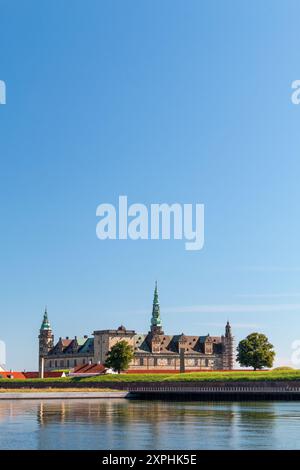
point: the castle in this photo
(152, 351)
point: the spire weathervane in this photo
(228, 329)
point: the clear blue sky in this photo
(164, 101)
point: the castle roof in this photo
(170, 344)
(82, 345)
(87, 346)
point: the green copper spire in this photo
(46, 324)
(156, 320)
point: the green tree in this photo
(255, 351)
(120, 356)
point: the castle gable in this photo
(141, 344)
(61, 346)
(166, 344)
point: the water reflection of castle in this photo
(127, 424)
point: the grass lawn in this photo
(199, 376)
(192, 376)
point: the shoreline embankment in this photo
(185, 390)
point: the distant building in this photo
(153, 351)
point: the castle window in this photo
(55, 364)
(50, 363)
(68, 363)
(83, 361)
(155, 361)
(75, 362)
(62, 363)
(141, 361)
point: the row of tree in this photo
(254, 351)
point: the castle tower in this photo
(156, 324)
(46, 342)
(228, 345)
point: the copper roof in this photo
(74, 346)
